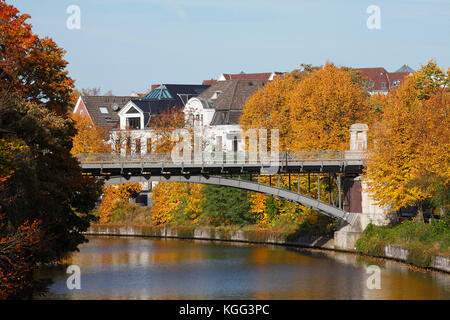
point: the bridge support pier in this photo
(357, 200)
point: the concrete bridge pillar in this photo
(356, 196)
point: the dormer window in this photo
(134, 123)
(216, 94)
(103, 110)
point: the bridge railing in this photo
(241, 157)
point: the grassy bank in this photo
(422, 240)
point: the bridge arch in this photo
(297, 198)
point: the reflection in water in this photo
(139, 268)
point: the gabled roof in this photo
(111, 119)
(405, 68)
(393, 76)
(228, 98)
(379, 75)
(153, 107)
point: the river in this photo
(143, 268)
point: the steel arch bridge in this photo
(237, 171)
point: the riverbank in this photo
(423, 245)
(234, 234)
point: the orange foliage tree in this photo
(176, 202)
(323, 107)
(313, 109)
(164, 125)
(90, 138)
(18, 260)
(173, 201)
(37, 64)
(46, 184)
(412, 142)
(113, 196)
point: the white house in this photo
(217, 111)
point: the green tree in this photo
(227, 206)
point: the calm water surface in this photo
(141, 268)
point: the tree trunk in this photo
(419, 214)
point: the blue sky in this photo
(127, 45)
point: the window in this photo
(383, 85)
(370, 84)
(103, 110)
(134, 123)
(216, 95)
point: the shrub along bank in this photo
(421, 240)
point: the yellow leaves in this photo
(165, 201)
(323, 106)
(176, 200)
(312, 113)
(268, 108)
(412, 141)
(89, 138)
(163, 125)
(113, 196)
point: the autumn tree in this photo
(313, 108)
(323, 106)
(164, 126)
(269, 108)
(176, 202)
(410, 157)
(46, 185)
(114, 196)
(173, 201)
(36, 65)
(89, 138)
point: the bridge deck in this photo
(157, 164)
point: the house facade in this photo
(380, 81)
(134, 133)
(101, 110)
(217, 110)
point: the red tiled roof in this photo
(208, 82)
(378, 76)
(397, 75)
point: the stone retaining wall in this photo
(441, 263)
